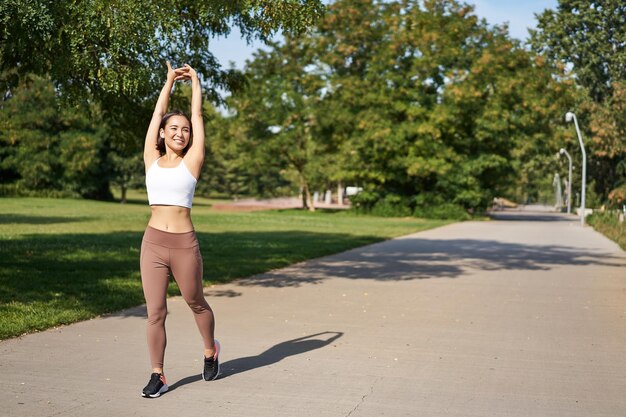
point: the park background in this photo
(428, 108)
(423, 105)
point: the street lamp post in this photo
(569, 181)
(569, 116)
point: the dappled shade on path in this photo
(530, 216)
(419, 258)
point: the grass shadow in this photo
(9, 218)
(52, 279)
(46, 280)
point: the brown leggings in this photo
(179, 253)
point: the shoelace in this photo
(154, 381)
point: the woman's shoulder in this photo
(193, 167)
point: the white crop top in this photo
(170, 186)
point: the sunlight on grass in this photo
(65, 260)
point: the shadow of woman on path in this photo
(272, 355)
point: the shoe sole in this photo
(163, 390)
(219, 351)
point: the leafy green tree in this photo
(51, 150)
(589, 34)
(353, 111)
(236, 167)
(278, 111)
(126, 172)
(112, 53)
(589, 37)
(115, 51)
(420, 103)
(608, 142)
(426, 101)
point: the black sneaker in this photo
(155, 387)
(212, 365)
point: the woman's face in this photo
(176, 133)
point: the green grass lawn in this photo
(609, 225)
(64, 260)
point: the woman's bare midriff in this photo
(173, 219)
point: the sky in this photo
(520, 15)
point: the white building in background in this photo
(353, 190)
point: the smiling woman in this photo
(177, 132)
(173, 160)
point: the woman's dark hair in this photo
(161, 141)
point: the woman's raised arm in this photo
(150, 152)
(195, 154)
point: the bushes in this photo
(443, 211)
(434, 206)
(393, 205)
(48, 149)
(371, 202)
(364, 201)
(18, 190)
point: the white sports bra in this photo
(170, 186)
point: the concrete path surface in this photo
(521, 316)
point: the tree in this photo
(420, 103)
(278, 111)
(51, 150)
(354, 108)
(115, 51)
(236, 164)
(111, 54)
(430, 103)
(607, 124)
(589, 36)
(127, 172)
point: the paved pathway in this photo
(524, 316)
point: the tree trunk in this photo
(303, 196)
(310, 198)
(124, 189)
(307, 199)
(340, 193)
